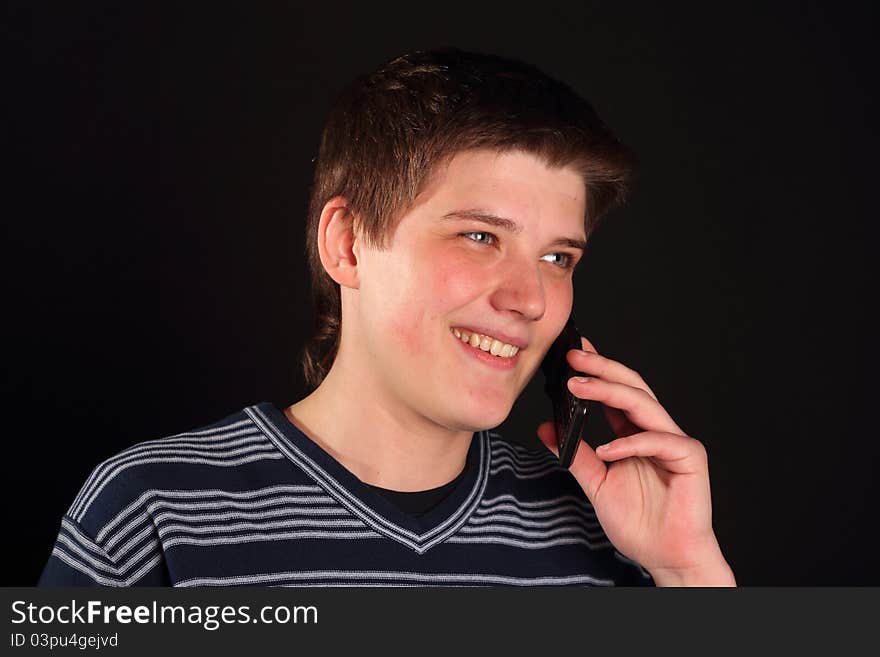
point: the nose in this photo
(520, 289)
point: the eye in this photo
(480, 237)
(565, 261)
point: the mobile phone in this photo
(569, 412)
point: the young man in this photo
(454, 194)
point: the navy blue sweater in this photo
(250, 500)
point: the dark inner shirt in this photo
(418, 503)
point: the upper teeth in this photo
(487, 343)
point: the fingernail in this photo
(583, 379)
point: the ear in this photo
(336, 242)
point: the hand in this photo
(652, 498)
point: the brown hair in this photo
(391, 128)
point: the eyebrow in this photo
(511, 226)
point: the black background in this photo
(158, 164)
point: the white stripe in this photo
(506, 530)
(339, 585)
(207, 452)
(231, 528)
(205, 493)
(166, 529)
(546, 523)
(241, 515)
(107, 568)
(213, 430)
(199, 450)
(538, 504)
(588, 514)
(112, 466)
(82, 538)
(522, 458)
(102, 579)
(258, 456)
(525, 469)
(519, 450)
(161, 504)
(151, 546)
(529, 545)
(147, 567)
(548, 470)
(220, 433)
(385, 576)
(243, 437)
(113, 560)
(86, 570)
(521, 462)
(113, 567)
(149, 530)
(254, 538)
(106, 465)
(252, 504)
(517, 461)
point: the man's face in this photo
(487, 249)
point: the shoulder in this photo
(205, 457)
(528, 487)
(532, 470)
(531, 478)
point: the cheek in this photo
(559, 304)
(404, 334)
(559, 308)
(559, 300)
(426, 293)
(451, 283)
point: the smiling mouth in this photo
(486, 343)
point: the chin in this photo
(485, 416)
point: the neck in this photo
(376, 437)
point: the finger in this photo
(587, 468)
(639, 407)
(592, 363)
(587, 345)
(672, 452)
(616, 418)
(614, 371)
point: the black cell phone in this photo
(569, 412)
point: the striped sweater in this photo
(250, 500)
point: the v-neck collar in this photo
(419, 533)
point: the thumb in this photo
(587, 468)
